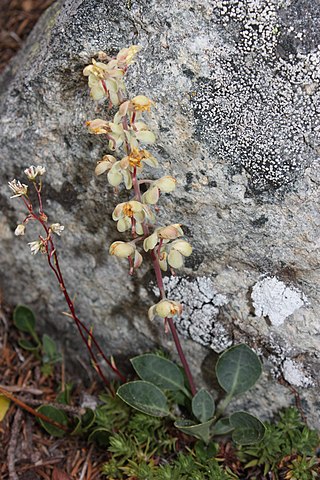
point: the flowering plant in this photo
(126, 134)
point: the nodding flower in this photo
(127, 250)
(165, 309)
(131, 215)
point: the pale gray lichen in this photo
(294, 374)
(201, 303)
(275, 300)
(257, 109)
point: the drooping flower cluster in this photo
(21, 190)
(125, 135)
(106, 80)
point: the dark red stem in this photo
(51, 253)
(157, 271)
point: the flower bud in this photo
(57, 228)
(20, 229)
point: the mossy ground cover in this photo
(114, 441)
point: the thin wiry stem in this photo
(53, 262)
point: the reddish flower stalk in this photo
(158, 274)
(53, 262)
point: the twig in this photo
(16, 388)
(26, 407)
(85, 465)
(60, 406)
(16, 425)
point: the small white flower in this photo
(18, 188)
(32, 172)
(20, 229)
(57, 228)
(36, 247)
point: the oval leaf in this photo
(145, 397)
(56, 415)
(88, 419)
(238, 369)
(100, 436)
(222, 426)
(247, 428)
(4, 406)
(203, 406)
(49, 347)
(201, 430)
(26, 345)
(157, 370)
(24, 319)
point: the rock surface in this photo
(236, 86)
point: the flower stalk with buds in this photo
(45, 244)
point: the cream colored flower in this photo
(37, 246)
(127, 250)
(126, 56)
(57, 228)
(171, 232)
(32, 172)
(141, 103)
(105, 80)
(98, 126)
(133, 108)
(165, 309)
(131, 215)
(105, 164)
(20, 230)
(165, 185)
(173, 254)
(18, 188)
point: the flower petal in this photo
(175, 259)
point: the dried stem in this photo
(26, 407)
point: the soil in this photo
(17, 18)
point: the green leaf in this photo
(238, 369)
(65, 395)
(247, 428)
(100, 436)
(24, 319)
(54, 414)
(158, 370)
(145, 397)
(4, 406)
(201, 430)
(222, 426)
(26, 345)
(76, 427)
(88, 419)
(49, 347)
(203, 406)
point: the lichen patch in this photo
(275, 300)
